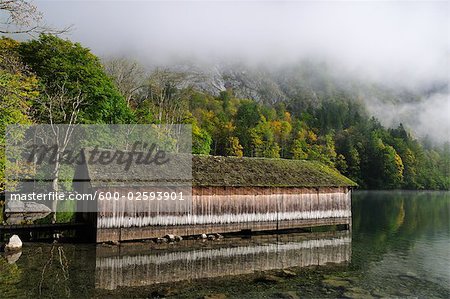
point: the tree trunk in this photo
(55, 186)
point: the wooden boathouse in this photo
(229, 194)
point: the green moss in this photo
(262, 172)
(223, 171)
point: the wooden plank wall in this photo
(221, 209)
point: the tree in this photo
(326, 149)
(353, 160)
(263, 143)
(393, 167)
(347, 144)
(234, 148)
(18, 88)
(59, 62)
(201, 140)
(410, 169)
(247, 117)
(384, 167)
(167, 94)
(282, 130)
(22, 16)
(128, 77)
(307, 145)
(62, 107)
(341, 164)
(299, 149)
(300, 145)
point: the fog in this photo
(394, 43)
(427, 118)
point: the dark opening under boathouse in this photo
(229, 194)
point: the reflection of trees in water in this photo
(383, 220)
(48, 270)
(61, 266)
(10, 275)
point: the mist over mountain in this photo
(393, 56)
(423, 109)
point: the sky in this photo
(403, 43)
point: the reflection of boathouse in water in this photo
(135, 265)
(229, 194)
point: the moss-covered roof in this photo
(217, 171)
(263, 172)
(177, 169)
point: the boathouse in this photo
(229, 194)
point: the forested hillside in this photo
(300, 112)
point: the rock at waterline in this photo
(218, 236)
(160, 240)
(13, 257)
(112, 243)
(203, 236)
(173, 238)
(170, 238)
(14, 244)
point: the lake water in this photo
(399, 246)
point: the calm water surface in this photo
(399, 246)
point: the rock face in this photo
(14, 244)
(18, 212)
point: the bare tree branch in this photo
(23, 17)
(63, 107)
(168, 92)
(128, 76)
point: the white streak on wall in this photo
(228, 208)
(142, 221)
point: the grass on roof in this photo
(263, 172)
